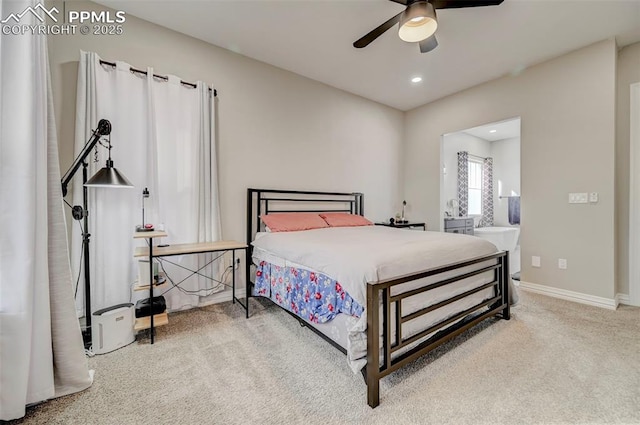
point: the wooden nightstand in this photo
(409, 225)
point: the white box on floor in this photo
(112, 328)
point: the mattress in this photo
(355, 256)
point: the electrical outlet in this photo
(562, 263)
(593, 197)
(535, 261)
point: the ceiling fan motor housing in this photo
(418, 22)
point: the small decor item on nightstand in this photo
(403, 219)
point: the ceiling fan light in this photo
(418, 22)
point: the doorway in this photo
(480, 180)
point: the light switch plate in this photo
(593, 197)
(579, 198)
(562, 263)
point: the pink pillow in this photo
(345, 220)
(291, 222)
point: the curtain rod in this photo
(162, 77)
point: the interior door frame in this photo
(634, 197)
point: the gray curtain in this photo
(463, 183)
(487, 193)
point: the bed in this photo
(382, 296)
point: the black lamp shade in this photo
(108, 177)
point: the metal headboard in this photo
(265, 201)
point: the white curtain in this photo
(163, 139)
(41, 349)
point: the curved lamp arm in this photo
(104, 128)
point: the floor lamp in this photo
(105, 177)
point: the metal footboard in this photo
(379, 323)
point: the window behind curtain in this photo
(475, 188)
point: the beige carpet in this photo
(554, 362)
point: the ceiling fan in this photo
(418, 22)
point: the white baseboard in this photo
(578, 297)
(623, 299)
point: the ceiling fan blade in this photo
(428, 44)
(404, 2)
(451, 4)
(377, 32)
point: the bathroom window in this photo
(475, 188)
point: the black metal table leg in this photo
(151, 287)
(247, 281)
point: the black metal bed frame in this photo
(380, 293)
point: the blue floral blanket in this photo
(312, 296)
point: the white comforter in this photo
(355, 256)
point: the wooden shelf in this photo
(145, 322)
(146, 287)
(188, 248)
(152, 234)
(137, 287)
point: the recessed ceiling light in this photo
(492, 131)
(416, 79)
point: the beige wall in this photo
(567, 106)
(276, 129)
(628, 73)
(331, 140)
